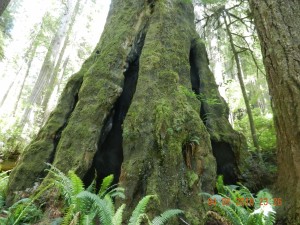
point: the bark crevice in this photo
(57, 135)
(195, 78)
(222, 150)
(194, 70)
(109, 156)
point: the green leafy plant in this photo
(82, 206)
(22, 212)
(3, 187)
(264, 126)
(237, 204)
(13, 143)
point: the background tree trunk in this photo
(243, 88)
(279, 33)
(54, 76)
(131, 111)
(50, 60)
(3, 5)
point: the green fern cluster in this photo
(22, 212)
(3, 187)
(242, 214)
(83, 207)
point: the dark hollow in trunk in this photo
(134, 118)
(109, 156)
(226, 162)
(194, 71)
(222, 151)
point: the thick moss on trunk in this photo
(229, 147)
(131, 111)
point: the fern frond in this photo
(117, 192)
(245, 192)
(76, 219)
(261, 195)
(77, 185)
(92, 187)
(231, 215)
(69, 214)
(62, 182)
(103, 210)
(255, 219)
(88, 219)
(58, 174)
(110, 204)
(240, 211)
(118, 217)
(205, 194)
(23, 211)
(165, 216)
(106, 183)
(270, 219)
(220, 185)
(139, 212)
(232, 194)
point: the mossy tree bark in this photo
(279, 33)
(131, 111)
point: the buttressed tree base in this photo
(144, 107)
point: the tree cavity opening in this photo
(226, 164)
(109, 157)
(195, 71)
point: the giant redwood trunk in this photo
(279, 33)
(133, 111)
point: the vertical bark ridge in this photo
(278, 31)
(222, 150)
(162, 119)
(109, 156)
(229, 147)
(32, 164)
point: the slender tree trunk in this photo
(242, 85)
(278, 28)
(31, 57)
(58, 83)
(62, 76)
(7, 92)
(3, 5)
(129, 111)
(29, 53)
(48, 64)
(9, 87)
